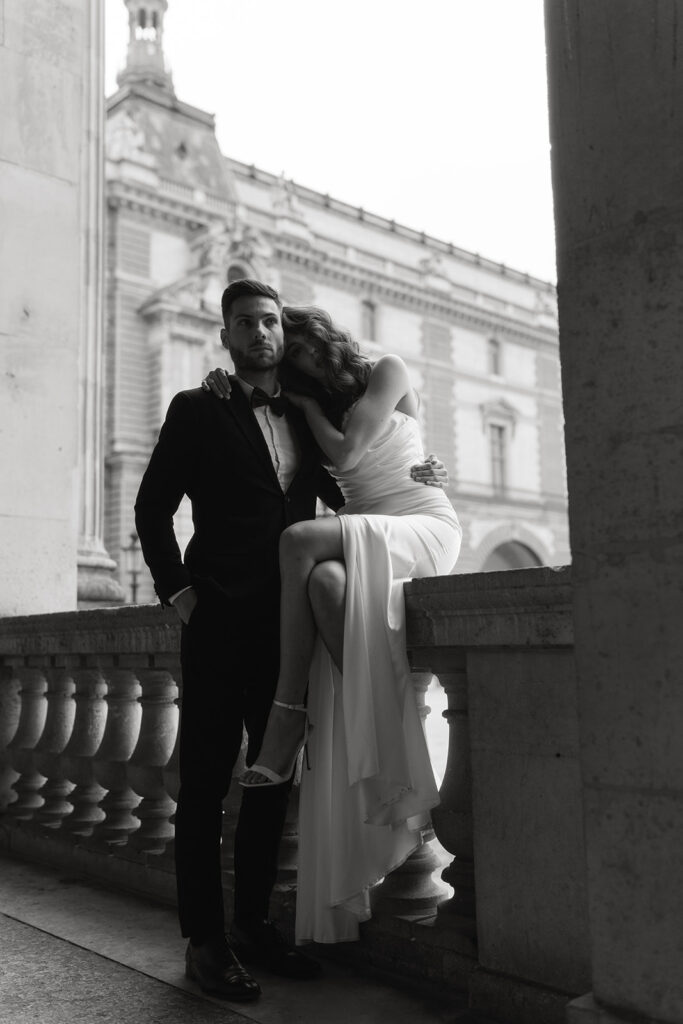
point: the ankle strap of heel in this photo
(290, 707)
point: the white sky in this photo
(430, 112)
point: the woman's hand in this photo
(300, 401)
(431, 472)
(218, 383)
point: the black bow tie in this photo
(277, 403)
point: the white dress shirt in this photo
(279, 436)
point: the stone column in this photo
(41, 141)
(616, 91)
(97, 585)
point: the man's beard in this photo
(246, 362)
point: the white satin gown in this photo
(370, 786)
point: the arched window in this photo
(147, 25)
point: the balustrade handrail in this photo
(515, 608)
(133, 629)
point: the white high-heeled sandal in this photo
(272, 778)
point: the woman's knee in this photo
(295, 541)
(327, 583)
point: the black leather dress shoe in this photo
(218, 972)
(262, 944)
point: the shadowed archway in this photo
(511, 554)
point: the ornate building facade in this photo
(479, 338)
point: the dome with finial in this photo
(149, 127)
(145, 62)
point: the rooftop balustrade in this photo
(88, 779)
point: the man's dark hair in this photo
(246, 286)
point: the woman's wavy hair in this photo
(346, 370)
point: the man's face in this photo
(254, 335)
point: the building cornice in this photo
(504, 503)
(358, 213)
(156, 204)
(169, 204)
(191, 324)
(322, 266)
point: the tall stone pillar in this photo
(49, 301)
(616, 93)
(97, 584)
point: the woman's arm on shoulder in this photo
(387, 385)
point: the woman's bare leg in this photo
(327, 593)
(302, 547)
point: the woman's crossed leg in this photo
(313, 592)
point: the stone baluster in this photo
(61, 711)
(10, 709)
(171, 771)
(453, 818)
(22, 747)
(121, 732)
(411, 889)
(158, 731)
(77, 760)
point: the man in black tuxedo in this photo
(249, 471)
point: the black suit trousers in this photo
(230, 658)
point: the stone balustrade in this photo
(88, 778)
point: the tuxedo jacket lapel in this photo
(238, 409)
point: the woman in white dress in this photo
(371, 784)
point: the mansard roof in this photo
(178, 139)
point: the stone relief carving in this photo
(286, 202)
(545, 304)
(232, 241)
(433, 269)
(249, 245)
(213, 247)
(125, 140)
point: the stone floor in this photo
(74, 953)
